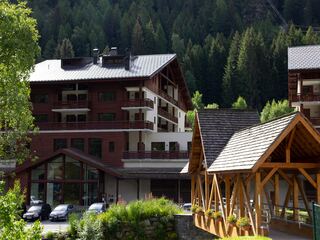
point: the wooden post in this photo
(295, 199)
(318, 188)
(206, 189)
(227, 192)
(192, 189)
(258, 201)
(276, 194)
(241, 203)
(216, 203)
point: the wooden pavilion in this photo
(247, 175)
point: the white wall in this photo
(110, 188)
(145, 188)
(128, 189)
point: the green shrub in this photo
(72, 229)
(217, 215)
(232, 219)
(132, 220)
(209, 213)
(194, 208)
(243, 222)
(199, 209)
(50, 235)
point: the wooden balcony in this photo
(167, 115)
(71, 104)
(167, 97)
(304, 97)
(315, 121)
(97, 125)
(156, 155)
(138, 103)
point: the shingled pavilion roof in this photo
(247, 146)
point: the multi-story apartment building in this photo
(109, 126)
(304, 81)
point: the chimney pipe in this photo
(127, 61)
(95, 52)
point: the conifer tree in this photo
(64, 50)
(137, 41)
(161, 40)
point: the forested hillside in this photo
(226, 47)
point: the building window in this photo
(82, 97)
(107, 96)
(106, 116)
(77, 143)
(82, 117)
(71, 118)
(158, 146)
(111, 146)
(154, 120)
(41, 117)
(95, 147)
(40, 98)
(59, 143)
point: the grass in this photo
(247, 238)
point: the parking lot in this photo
(52, 226)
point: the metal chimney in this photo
(95, 52)
(113, 51)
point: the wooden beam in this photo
(211, 193)
(270, 174)
(304, 198)
(285, 177)
(276, 193)
(201, 191)
(234, 195)
(192, 189)
(295, 199)
(289, 165)
(247, 203)
(308, 177)
(227, 192)
(266, 194)
(288, 145)
(220, 199)
(286, 201)
(206, 190)
(258, 201)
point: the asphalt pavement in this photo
(52, 226)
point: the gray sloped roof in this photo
(218, 125)
(247, 146)
(304, 57)
(141, 66)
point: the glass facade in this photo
(65, 180)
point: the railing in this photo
(315, 120)
(95, 125)
(167, 115)
(138, 103)
(70, 104)
(167, 97)
(304, 97)
(156, 155)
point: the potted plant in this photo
(232, 220)
(244, 223)
(194, 208)
(217, 216)
(199, 210)
(209, 213)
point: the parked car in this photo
(186, 206)
(61, 212)
(34, 201)
(97, 208)
(40, 211)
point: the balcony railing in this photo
(167, 115)
(138, 103)
(156, 155)
(167, 97)
(70, 104)
(304, 97)
(315, 121)
(101, 125)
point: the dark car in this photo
(41, 212)
(97, 208)
(61, 212)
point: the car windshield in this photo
(34, 209)
(95, 206)
(61, 208)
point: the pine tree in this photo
(149, 38)
(64, 50)
(229, 87)
(177, 45)
(49, 49)
(137, 41)
(160, 39)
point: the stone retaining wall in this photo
(186, 230)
